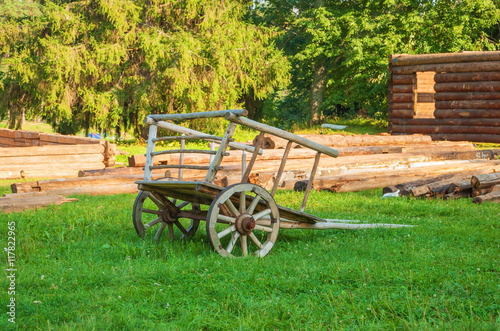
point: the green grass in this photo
(80, 266)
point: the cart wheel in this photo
(243, 219)
(153, 213)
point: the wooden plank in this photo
(450, 96)
(403, 88)
(447, 121)
(52, 150)
(454, 77)
(490, 86)
(19, 134)
(402, 97)
(68, 183)
(40, 160)
(494, 105)
(435, 129)
(403, 105)
(439, 58)
(12, 142)
(403, 79)
(467, 113)
(448, 67)
(475, 137)
(401, 113)
(67, 140)
(14, 204)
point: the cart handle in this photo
(151, 119)
(235, 118)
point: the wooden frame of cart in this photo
(241, 219)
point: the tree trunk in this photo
(254, 106)
(316, 91)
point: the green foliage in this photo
(104, 65)
(441, 274)
(354, 39)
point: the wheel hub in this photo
(245, 223)
(169, 216)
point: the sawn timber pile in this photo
(364, 162)
(27, 154)
(360, 166)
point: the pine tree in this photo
(104, 64)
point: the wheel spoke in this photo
(226, 231)
(263, 228)
(160, 231)
(254, 203)
(181, 227)
(157, 201)
(244, 245)
(229, 204)
(227, 219)
(151, 211)
(170, 231)
(243, 202)
(183, 204)
(232, 242)
(262, 214)
(153, 222)
(255, 240)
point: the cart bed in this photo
(204, 193)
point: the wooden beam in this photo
(489, 86)
(467, 113)
(494, 105)
(447, 67)
(439, 58)
(454, 77)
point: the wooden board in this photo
(52, 150)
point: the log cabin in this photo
(449, 96)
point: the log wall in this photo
(26, 154)
(450, 96)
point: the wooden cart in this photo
(241, 219)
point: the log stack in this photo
(364, 162)
(451, 96)
(483, 185)
(26, 154)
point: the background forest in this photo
(102, 65)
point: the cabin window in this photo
(423, 95)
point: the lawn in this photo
(81, 266)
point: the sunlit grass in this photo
(81, 266)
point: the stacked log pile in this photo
(452, 96)
(364, 162)
(53, 191)
(482, 186)
(26, 154)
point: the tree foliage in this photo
(105, 64)
(352, 41)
